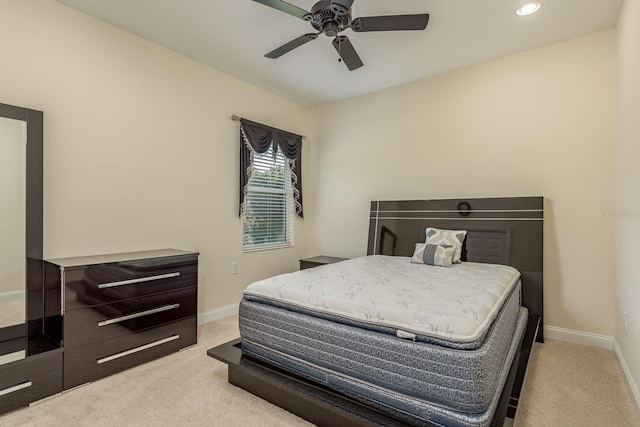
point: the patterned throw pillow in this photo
(440, 255)
(436, 236)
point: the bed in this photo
(379, 340)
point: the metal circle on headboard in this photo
(464, 208)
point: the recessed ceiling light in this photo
(529, 8)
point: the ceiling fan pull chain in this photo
(339, 49)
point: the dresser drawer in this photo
(106, 283)
(102, 322)
(27, 380)
(91, 362)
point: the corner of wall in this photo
(627, 373)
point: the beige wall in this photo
(627, 194)
(12, 205)
(140, 151)
(541, 122)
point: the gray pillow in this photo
(440, 255)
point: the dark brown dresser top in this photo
(125, 256)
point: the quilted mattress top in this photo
(457, 303)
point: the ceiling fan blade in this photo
(288, 47)
(390, 23)
(286, 8)
(347, 52)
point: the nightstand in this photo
(319, 260)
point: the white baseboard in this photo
(11, 294)
(627, 373)
(578, 337)
(218, 313)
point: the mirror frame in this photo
(36, 314)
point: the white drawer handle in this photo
(140, 280)
(137, 349)
(139, 314)
(15, 388)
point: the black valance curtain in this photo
(258, 138)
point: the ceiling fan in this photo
(331, 17)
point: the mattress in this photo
(452, 307)
(461, 380)
(332, 349)
(404, 407)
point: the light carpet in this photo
(568, 385)
(572, 385)
(13, 309)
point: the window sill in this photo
(267, 248)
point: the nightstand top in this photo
(323, 259)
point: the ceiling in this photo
(233, 36)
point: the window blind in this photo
(268, 210)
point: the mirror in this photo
(13, 275)
(21, 287)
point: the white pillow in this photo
(440, 255)
(455, 238)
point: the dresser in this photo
(29, 379)
(122, 310)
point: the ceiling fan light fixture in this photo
(529, 8)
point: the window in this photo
(270, 185)
(268, 203)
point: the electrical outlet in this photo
(624, 321)
(235, 267)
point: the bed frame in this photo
(500, 231)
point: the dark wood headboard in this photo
(500, 231)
